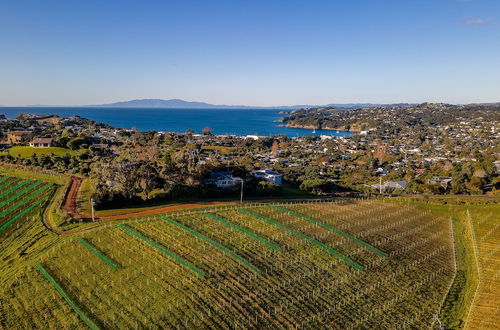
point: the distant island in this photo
(182, 104)
(160, 103)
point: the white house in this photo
(268, 175)
(223, 180)
(41, 143)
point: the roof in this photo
(19, 132)
(42, 140)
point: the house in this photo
(443, 181)
(19, 137)
(268, 175)
(420, 171)
(223, 180)
(497, 166)
(4, 144)
(391, 184)
(41, 143)
(101, 146)
(380, 171)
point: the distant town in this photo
(401, 149)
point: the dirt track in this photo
(163, 209)
(71, 207)
(71, 195)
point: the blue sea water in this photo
(222, 121)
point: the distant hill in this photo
(159, 103)
(177, 103)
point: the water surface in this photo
(222, 121)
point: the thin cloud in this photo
(475, 21)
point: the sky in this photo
(269, 52)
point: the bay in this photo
(240, 122)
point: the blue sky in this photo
(249, 52)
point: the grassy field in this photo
(360, 264)
(27, 151)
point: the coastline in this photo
(241, 122)
(288, 125)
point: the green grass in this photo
(27, 151)
(290, 191)
(96, 252)
(34, 175)
(83, 197)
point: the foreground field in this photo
(355, 264)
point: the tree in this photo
(265, 188)
(480, 173)
(275, 148)
(147, 176)
(475, 185)
(21, 116)
(380, 153)
(75, 143)
(207, 130)
(315, 186)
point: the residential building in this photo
(19, 137)
(223, 180)
(268, 175)
(41, 143)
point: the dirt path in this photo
(71, 197)
(70, 205)
(163, 209)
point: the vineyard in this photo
(344, 264)
(484, 311)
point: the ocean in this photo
(222, 121)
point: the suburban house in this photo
(443, 181)
(41, 143)
(19, 137)
(390, 185)
(223, 180)
(268, 175)
(4, 143)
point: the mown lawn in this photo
(27, 151)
